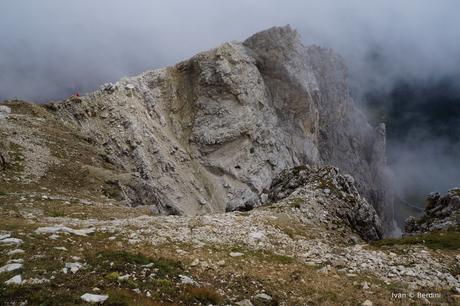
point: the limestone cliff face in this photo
(210, 134)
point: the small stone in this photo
(195, 262)
(148, 294)
(36, 281)
(60, 248)
(263, 296)
(64, 229)
(15, 251)
(185, 280)
(245, 302)
(310, 264)
(129, 86)
(73, 266)
(367, 303)
(365, 285)
(11, 241)
(148, 265)
(256, 235)
(236, 254)
(11, 267)
(94, 298)
(221, 263)
(4, 236)
(15, 280)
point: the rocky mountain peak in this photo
(211, 133)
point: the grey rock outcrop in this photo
(211, 133)
(441, 212)
(341, 189)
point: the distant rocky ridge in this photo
(210, 134)
(441, 212)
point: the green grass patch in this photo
(448, 240)
(121, 261)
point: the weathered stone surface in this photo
(211, 133)
(441, 212)
(347, 202)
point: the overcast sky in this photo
(50, 49)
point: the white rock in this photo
(73, 266)
(263, 296)
(20, 260)
(244, 303)
(367, 303)
(236, 254)
(15, 280)
(195, 262)
(187, 280)
(10, 267)
(257, 235)
(4, 236)
(15, 251)
(94, 298)
(124, 277)
(129, 86)
(148, 265)
(64, 229)
(36, 281)
(61, 248)
(11, 241)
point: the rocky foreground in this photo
(244, 176)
